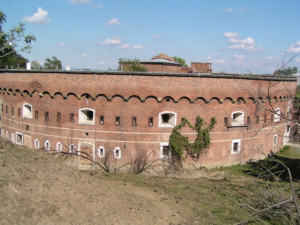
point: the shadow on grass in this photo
(271, 169)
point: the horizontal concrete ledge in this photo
(118, 73)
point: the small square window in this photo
(72, 148)
(19, 138)
(236, 146)
(117, 153)
(19, 111)
(101, 120)
(59, 147)
(101, 152)
(118, 121)
(165, 152)
(36, 114)
(27, 127)
(133, 121)
(47, 116)
(226, 121)
(36, 143)
(87, 116)
(58, 117)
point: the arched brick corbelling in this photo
(215, 98)
(118, 96)
(46, 93)
(59, 94)
(18, 91)
(87, 95)
(252, 99)
(101, 95)
(135, 96)
(27, 92)
(185, 98)
(201, 98)
(170, 98)
(241, 99)
(151, 97)
(72, 94)
(228, 99)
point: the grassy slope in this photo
(37, 189)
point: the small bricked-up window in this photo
(58, 117)
(19, 140)
(36, 143)
(257, 119)
(133, 121)
(265, 118)
(236, 146)
(47, 116)
(226, 121)
(36, 114)
(12, 111)
(19, 111)
(248, 120)
(101, 120)
(59, 147)
(237, 118)
(27, 127)
(101, 151)
(167, 119)
(117, 153)
(71, 117)
(6, 109)
(87, 116)
(150, 121)
(118, 121)
(276, 115)
(27, 111)
(275, 139)
(165, 152)
(47, 145)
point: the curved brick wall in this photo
(55, 96)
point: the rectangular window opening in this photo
(257, 119)
(133, 121)
(150, 121)
(226, 121)
(19, 111)
(118, 120)
(47, 116)
(36, 114)
(58, 117)
(12, 111)
(101, 120)
(71, 117)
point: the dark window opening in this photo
(117, 153)
(150, 121)
(288, 128)
(27, 127)
(58, 117)
(265, 118)
(236, 147)
(12, 111)
(134, 121)
(89, 115)
(6, 109)
(36, 114)
(19, 111)
(46, 115)
(257, 119)
(71, 117)
(165, 118)
(225, 121)
(118, 120)
(101, 120)
(248, 120)
(166, 150)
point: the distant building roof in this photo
(161, 59)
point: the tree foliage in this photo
(52, 64)
(179, 143)
(14, 40)
(131, 65)
(181, 61)
(286, 71)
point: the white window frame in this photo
(161, 147)
(83, 118)
(72, 145)
(37, 143)
(241, 120)
(239, 146)
(59, 147)
(26, 113)
(172, 121)
(13, 138)
(99, 152)
(47, 143)
(22, 138)
(277, 115)
(115, 153)
(275, 140)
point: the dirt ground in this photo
(35, 188)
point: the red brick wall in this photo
(143, 96)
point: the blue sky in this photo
(237, 36)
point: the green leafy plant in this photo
(179, 144)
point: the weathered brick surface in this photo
(143, 96)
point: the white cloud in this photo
(124, 46)
(157, 36)
(229, 10)
(81, 2)
(247, 44)
(101, 63)
(239, 57)
(114, 21)
(112, 41)
(84, 55)
(98, 6)
(138, 47)
(295, 48)
(39, 17)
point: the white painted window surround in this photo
(275, 139)
(59, 147)
(19, 138)
(27, 111)
(101, 152)
(164, 152)
(237, 118)
(236, 146)
(117, 153)
(86, 116)
(37, 143)
(167, 119)
(276, 117)
(47, 145)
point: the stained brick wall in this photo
(144, 96)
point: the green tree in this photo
(181, 61)
(14, 40)
(131, 65)
(286, 71)
(52, 64)
(35, 65)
